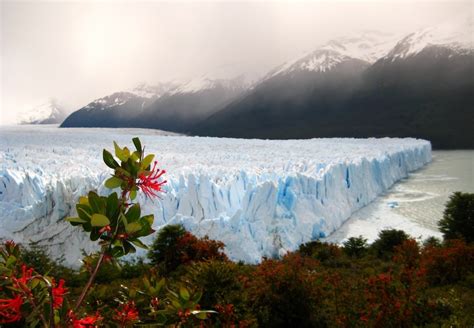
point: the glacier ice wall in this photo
(260, 197)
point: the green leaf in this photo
(133, 227)
(10, 261)
(118, 251)
(75, 220)
(94, 200)
(202, 315)
(128, 248)
(147, 161)
(83, 200)
(113, 182)
(109, 159)
(183, 292)
(133, 213)
(122, 154)
(146, 283)
(149, 218)
(138, 144)
(122, 171)
(99, 220)
(84, 212)
(94, 234)
(133, 193)
(112, 206)
(135, 156)
(124, 219)
(34, 283)
(138, 243)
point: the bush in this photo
(327, 253)
(450, 263)
(355, 246)
(458, 218)
(284, 293)
(223, 290)
(174, 246)
(387, 241)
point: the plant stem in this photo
(91, 280)
(31, 297)
(51, 299)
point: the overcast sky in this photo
(80, 51)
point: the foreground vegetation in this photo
(395, 282)
(187, 281)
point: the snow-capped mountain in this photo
(368, 47)
(171, 106)
(371, 85)
(146, 93)
(458, 37)
(49, 112)
(191, 102)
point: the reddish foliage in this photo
(284, 291)
(449, 263)
(408, 254)
(192, 249)
(228, 318)
(397, 295)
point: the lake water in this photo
(417, 203)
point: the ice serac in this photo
(260, 197)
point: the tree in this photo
(355, 246)
(458, 218)
(163, 252)
(387, 241)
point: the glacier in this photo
(260, 197)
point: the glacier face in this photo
(260, 197)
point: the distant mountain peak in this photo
(49, 112)
(457, 36)
(367, 46)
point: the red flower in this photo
(86, 322)
(22, 282)
(127, 314)
(10, 309)
(150, 184)
(58, 294)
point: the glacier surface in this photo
(260, 197)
